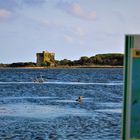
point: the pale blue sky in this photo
(69, 28)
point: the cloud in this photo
(33, 2)
(4, 13)
(68, 38)
(18, 4)
(80, 31)
(8, 4)
(50, 23)
(76, 10)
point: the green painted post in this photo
(131, 106)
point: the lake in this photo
(49, 110)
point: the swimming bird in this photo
(36, 81)
(39, 79)
(80, 99)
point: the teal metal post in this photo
(131, 107)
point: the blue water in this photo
(49, 110)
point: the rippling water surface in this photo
(49, 111)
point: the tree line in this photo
(19, 64)
(112, 59)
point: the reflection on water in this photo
(40, 111)
(49, 110)
(110, 110)
(65, 83)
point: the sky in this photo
(69, 28)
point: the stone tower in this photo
(45, 59)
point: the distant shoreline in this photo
(92, 66)
(109, 60)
